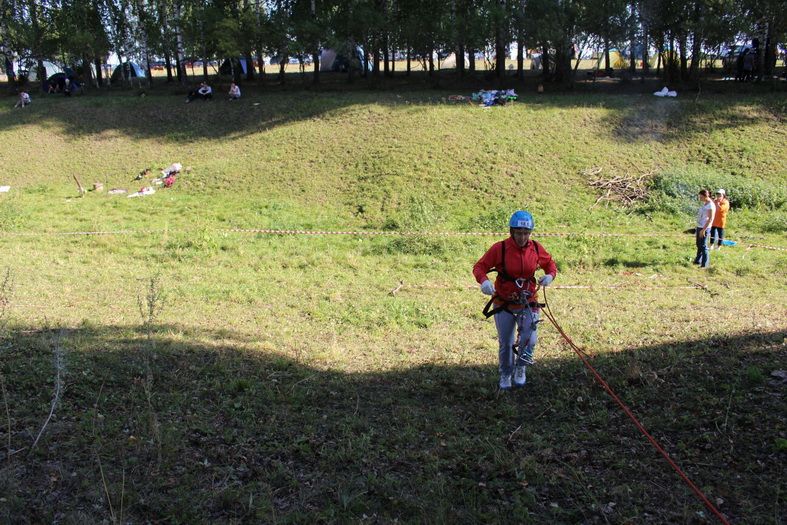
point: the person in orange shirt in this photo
(516, 260)
(720, 219)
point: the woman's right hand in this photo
(487, 288)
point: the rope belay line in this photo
(608, 389)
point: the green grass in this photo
(282, 382)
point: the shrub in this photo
(774, 223)
(676, 191)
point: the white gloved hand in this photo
(487, 288)
(545, 280)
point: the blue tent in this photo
(127, 70)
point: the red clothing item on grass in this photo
(520, 263)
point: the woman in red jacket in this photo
(516, 260)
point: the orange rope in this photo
(585, 359)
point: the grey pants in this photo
(506, 333)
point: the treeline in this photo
(681, 33)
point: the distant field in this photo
(400, 65)
(204, 374)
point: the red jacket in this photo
(520, 262)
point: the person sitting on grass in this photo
(24, 100)
(516, 260)
(234, 91)
(204, 92)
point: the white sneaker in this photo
(519, 376)
(505, 382)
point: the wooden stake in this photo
(79, 185)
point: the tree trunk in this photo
(9, 71)
(237, 73)
(261, 65)
(520, 56)
(87, 74)
(409, 59)
(282, 66)
(376, 61)
(249, 66)
(562, 61)
(460, 60)
(545, 61)
(471, 60)
(179, 66)
(500, 47)
(431, 61)
(645, 51)
(606, 55)
(386, 58)
(316, 63)
(366, 60)
(168, 65)
(99, 72)
(684, 59)
(770, 52)
(147, 67)
(696, 52)
(179, 46)
(670, 68)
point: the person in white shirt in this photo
(24, 100)
(704, 222)
(205, 92)
(234, 91)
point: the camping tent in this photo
(240, 64)
(29, 67)
(333, 60)
(616, 60)
(61, 80)
(449, 62)
(127, 70)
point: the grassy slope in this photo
(286, 382)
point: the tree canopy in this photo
(82, 33)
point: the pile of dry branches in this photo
(623, 189)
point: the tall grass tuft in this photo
(59, 365)
(150, 306)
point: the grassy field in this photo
(182, 372)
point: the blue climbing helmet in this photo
(522, 219)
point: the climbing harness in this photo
(527, 309)
(523, 302)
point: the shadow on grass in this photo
(617, 261)
(244, 436)
(651, 119)
(163, 115)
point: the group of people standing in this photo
(711, 221)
